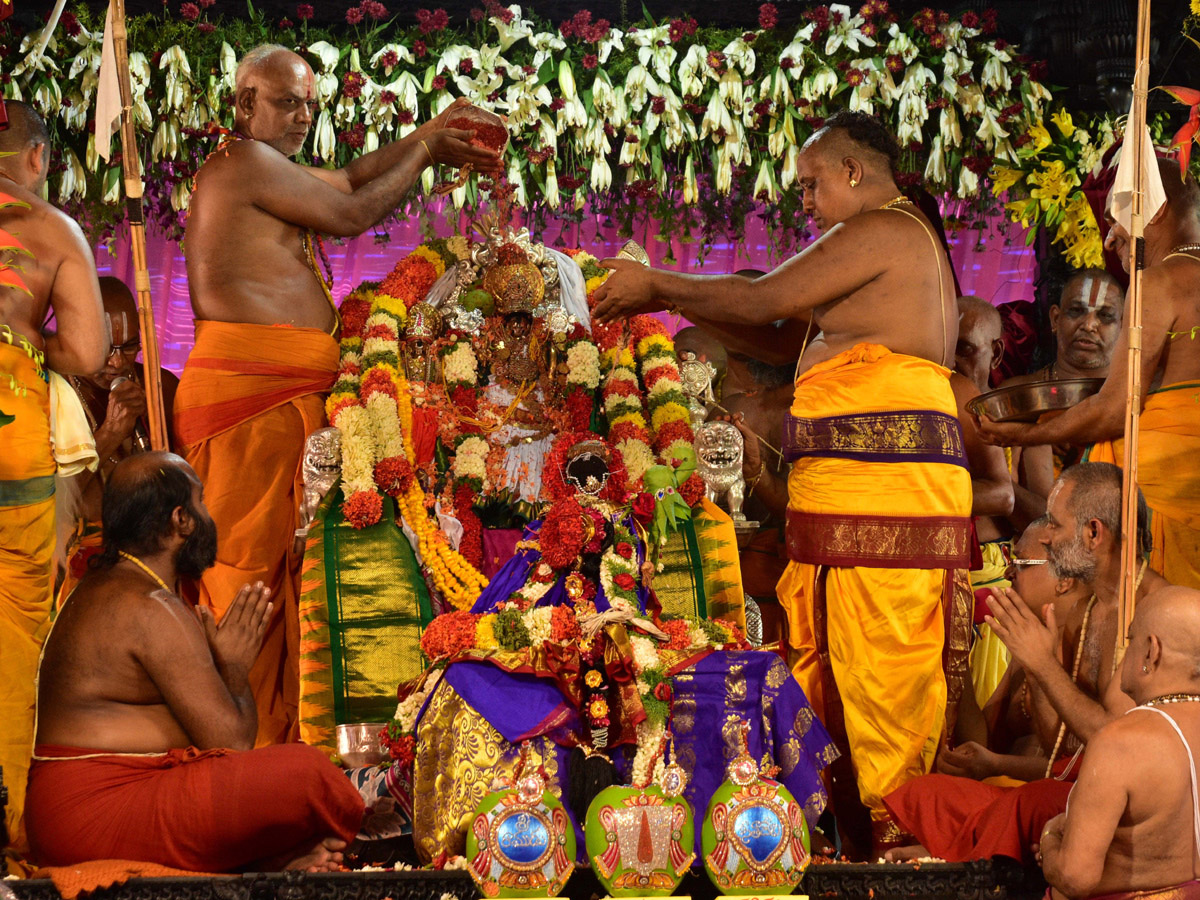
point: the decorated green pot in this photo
(639, 840)
(521, 842)
(754, 837)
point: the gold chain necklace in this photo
(1062, 728)
(145, 568)
(896, 201)
(1185, 248)
(1173, 698)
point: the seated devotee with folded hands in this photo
(146, 717)
(1070, 692)
(1132, 828)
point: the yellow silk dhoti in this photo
(878, 520)
(1169, 476)
(989, 656)
(26, 551)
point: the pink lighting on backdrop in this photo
(991, 264)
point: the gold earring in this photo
(853, 182)
(1146, 669)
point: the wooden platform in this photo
(984, 880)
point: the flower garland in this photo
(583, 378)
(619, 567)
(412, 277)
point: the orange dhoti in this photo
(204, 811)
(1169, 476)
(879, 502)
(27, 470)
(249, 396)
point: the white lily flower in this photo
(949, 128)
(524, 101)
(455, 54)
(441, 100)
(197, 115)
(371, 140)
(1036, 95)
(47, 97)
(862, 97)
(638, 84)
(956, 35)
(324, 138)
(601, 178)
(691, 190)
(990, 130)
(1004, 151)
(406, 88)
(604, 98)
(693, 71)
(566, 80)
(731, 90)
(428, 180)
(572, 115)
(402, 54)
(112, 186)
(796, 49)
(671, 119)
(655, 49)
(968, 183)
(615, 40)
(971, 99)
(327, 54)
(552, 196)
(741, 54)
(787, 176)
(88, 58)
(458, 197)
(889, 91)
(594, 140)
(628, 154)
(823, 82)
(91, 158)
(75, 116)
(783, 135)
(935, 169)
(716, 118)
(847, 33)
(181, 196)
(913, 113)
(327, 88)
(74, 179)
(764, 184)
(777, 88)
(900, 45)
(995, 74)
(546, 45)
(166, 141)
(725, 161)
(513, 31)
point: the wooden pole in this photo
(131, 168)
(1135, 131)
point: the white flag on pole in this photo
(108, 92)
(1123, 185)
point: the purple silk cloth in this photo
(709, 697)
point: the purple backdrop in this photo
(991, 264)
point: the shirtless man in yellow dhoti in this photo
(265, 351)
(879, 494)
(60, 275)
(1169, 448)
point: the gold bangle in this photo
(757, 478)
(430, 152)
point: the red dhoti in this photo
(203, 811)
(959, 819)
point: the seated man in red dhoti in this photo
(1132, 828)
(146, 717)
(1071, 692)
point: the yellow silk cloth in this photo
(989, 656)
(701, 571)
(1169, 476)
(885, 626)
(26, 551)
(249, 397)
(459, 756)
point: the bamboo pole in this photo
(131, 168)
(1135, 129)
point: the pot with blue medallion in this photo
(521, 842)
(754, 837)
(640, 839)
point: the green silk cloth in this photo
(701, 576)
(363, 608)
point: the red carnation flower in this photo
(204, 28)
(590, 60)
(189, 11)
(970, 19)
(419, 48)
(354, 15)
(304, 12)
(374, 9)
(768, 16)
(394, 475)
(439, 83)
(352, 84)
(895, 63)
(364, 508)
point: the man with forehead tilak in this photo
(265, 350)
(1169, 445)
(878, 495)
(1086, 322)
(114, 400)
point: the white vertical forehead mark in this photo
(120, 319)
